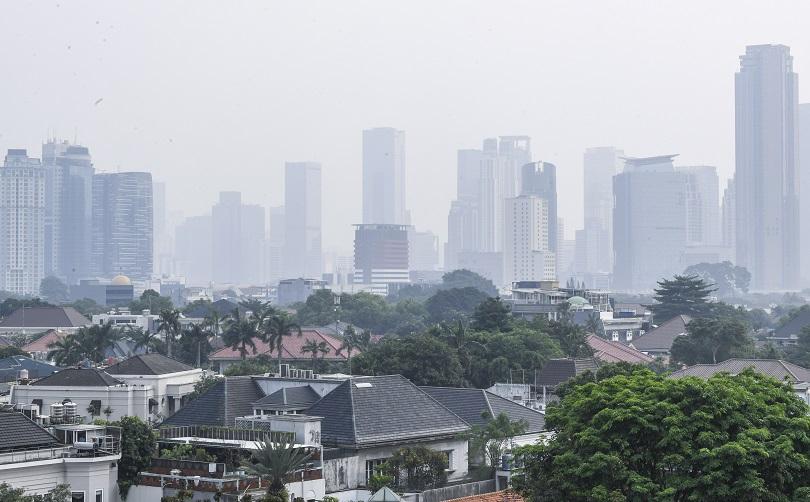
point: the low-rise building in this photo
(30, 320)
(123, 318)
(530, 299)
(119, 292)
(610, 351)
(658, 342)
(291, 291)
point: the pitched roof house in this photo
(658, 342)
(609, 351)
(10, 368)
(776, 368)
(220, 405)
(38, 319)
(148, 364)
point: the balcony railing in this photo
(222, 433)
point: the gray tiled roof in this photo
(221, 404)
(612, 352)
(793, 326)
(781, 370)
(661, 338)
(79, 377)
(472, 404)
(148, 364)
(292, 398)
(221, 307)
(18, 432)
(45, 317)
(10, 368)
(557, 371)
(369, 411)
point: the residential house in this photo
(788, 333)
(40, 348)
(609, 351)
(37, 460)
(658, 342)
(29, 320)
(557, 371)
(16, 368)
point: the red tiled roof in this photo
(501, 496)
(41, 343)
(614, 352)
(291, 348)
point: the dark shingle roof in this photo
(369, 411)
(11, 366)
(221, 404)
(18, 432)
(660, 339)
(79, 377)
(778, 369)
(557, 371)
(290, 398)
(45, 317)
(794, 326)
(471, 405)
(221, 307)
(148, 364)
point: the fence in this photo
(456, 491)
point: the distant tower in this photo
(302, 234)
(595, 240)
(384, 176)
(766, 181)
(702, 205)
(527, 249)
(381, 256)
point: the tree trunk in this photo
(199, 344)
(168, 344)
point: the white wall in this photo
(123, 399)
(82, 474)
(159, 384)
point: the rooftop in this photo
(292, 348)
(776, 368)
(501, 496)
(661, 338)
(41, 343)
(613, 352)
(292, 398)
(18, 432)
(10, 368)
(45, 317)
(473, 405)
(220, 405)
(148, 364)
(557, 371)
(79, 377)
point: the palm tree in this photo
(214, 321)
(141, 338)
(96, 339)
(195, 333)
(276, 328)
(315, 347)
(457, 338)
(241, 334)
(352, 340)
(65, 351)
(275, 461)
(169, 323)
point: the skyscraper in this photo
(384, 176)
(766, 181)
(540, 179)
(804, 186)
(649, 222)
(381, 256)
(702, 205)
(253, 233)
(729, 216)
(161, 240)
(22, 223)
(68, 210)
(122, 225)
(302, 234)
(595, 241)
(226, 226)
(527, 250)
(192, 250)
(423, 250)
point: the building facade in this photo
(384, 176)
(527, 250)
(381, 255)
(302, 220)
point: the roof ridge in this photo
(489, 405)
(350, 382)
(437, 401)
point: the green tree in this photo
(729, 280)
(202, 386)
(65, 351)
(9, 305)
(315, 349)
(572, 338)
(643, 437)
(275, 461)
(490, 441)
(417, 468)
(241, 333)
(152, 301)
(710, 341)
(142, 339)
(278, 327)
(88, 307)
(53, 289)
(352, 341)
(97, 339)
(138, 446)
(60, 493)
(463, 278)
(682, 295)
(187, 452)
(197, 335)
(452, 304)
(422, 359)
(168, 323)
(319, 309)
(800, 353)
(491, 315)
(11, 350)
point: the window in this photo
(629, 335)
(99, 496)
(615, 336)
(449, 455)
(77, 497)
(373, 467)
(171, 404)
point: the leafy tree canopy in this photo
(88, 307)
(11, 350)
(709, 341)
(463, 278)
(53, 289)
(645, 437)
(728, 280)
(682, 295)
(452, 304)
(138, 446)
(61, 493)
(9, 305)
(492, 315)
(151, 300)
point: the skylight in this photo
(362, 385)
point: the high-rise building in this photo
(274, 265)
(381, 256)
(423, 250)
(68, 210)
(540, 180)
(766, 154)
(649, 222)
(729, 216)
(514, 152)
(462, 231)
(253, 233)
(122, 225)
(595, 242)
(702, 205)
(804, 187)
(193, 250)
(162, 241)
(384, 176)
(22, 223)
(527, 253)
(226, 226)
(302, 255)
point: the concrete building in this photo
(766, 175)
(702, 205)
(22, 223)
(649, 222)
(123, 318)
(423, 250)
(729, 217)
(119, 292)
(297, 290)
(600, 164)
(122, 225)
(253, 230)
(539, 179)
(804, 193)
(193, 257)
(162, 240)
(68, 209)
(302, 220)
(226, 236)
(527, 251)
(384, 176)
(381, 255)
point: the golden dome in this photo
(121, 280)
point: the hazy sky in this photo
(213, 96)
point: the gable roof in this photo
(370, 411)
(148, 364)
(557, 371)
(385, 494)
(220, 405)
(41, 343)
(45, 317)
(776, 368)
(289, 398)
(661, 338)
(291, 349)
(18, 432)
(613, 352)
(10, 368)
(793, 326)
(78, 377)
(471, 405)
